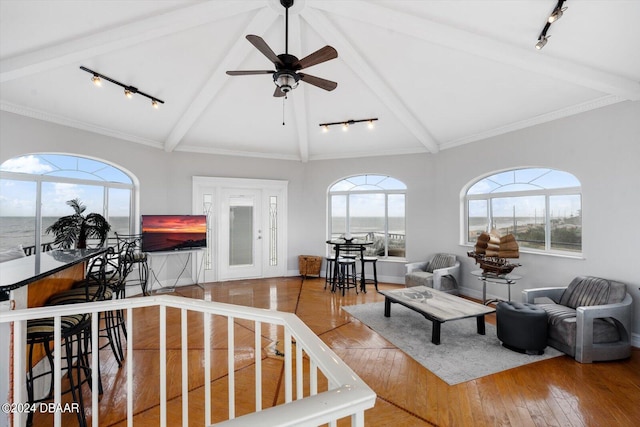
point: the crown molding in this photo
(77, 124)
(543, 118)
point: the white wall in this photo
(600, 147)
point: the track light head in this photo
(129, 91)
(556, 14)
(542, 41)
(96, 80)
(155, 104)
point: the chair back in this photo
(589, 291)
(351, 251)
(441, 261)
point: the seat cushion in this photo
(419, 278)
(45, 326)
(562, 326)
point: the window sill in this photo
(394, 260)
(579, 256)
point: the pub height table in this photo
(499, 279)
(348, 246)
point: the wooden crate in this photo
(309, 265)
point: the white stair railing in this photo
(345, 396)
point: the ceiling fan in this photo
(286, 75)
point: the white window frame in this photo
(386, 193)
(546, 193)
(39, 179)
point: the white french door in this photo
(246, 235)
(240, 234)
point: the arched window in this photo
(370, 207)
(541, 207)
(34, 190)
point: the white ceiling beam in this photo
(482, 46)
(124, 36)
(352, 57)
(298, 96)
(236, 54)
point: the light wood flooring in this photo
(555, 392)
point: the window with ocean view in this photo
(541, 207)
(53, 179)
(372, 208)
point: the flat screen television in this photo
(173, 232)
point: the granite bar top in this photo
(22, 271)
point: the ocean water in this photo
(18, 230)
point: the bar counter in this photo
(20, 272)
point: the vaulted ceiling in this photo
(437, 74)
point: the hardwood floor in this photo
(554, 392)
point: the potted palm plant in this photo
(74, 230)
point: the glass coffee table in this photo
(439, 307)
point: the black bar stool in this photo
(328, 270)
(75, 333)
(363, 280)
(348, 275)
(130, 246)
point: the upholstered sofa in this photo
(442, 273)
(589, 320)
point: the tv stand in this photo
(163, 257)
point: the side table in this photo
(501, 279)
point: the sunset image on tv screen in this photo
(173, 232)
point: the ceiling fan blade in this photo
(264, 48)
(278, 93)
(249, 72)
(319, 82)
(321, 55)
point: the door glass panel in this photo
(273, 230)
(240, 234)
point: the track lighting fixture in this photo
(345, 124)
(555, 15)
(129, 91)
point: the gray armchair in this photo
(442, 273)
(589, 320)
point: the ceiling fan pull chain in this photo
(285, 97)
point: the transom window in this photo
(370, 207)
(541, 207)
(34, 190)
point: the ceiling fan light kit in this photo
(129, 90)
(543, 38)
(286, 76)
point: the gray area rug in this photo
(462, 355)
